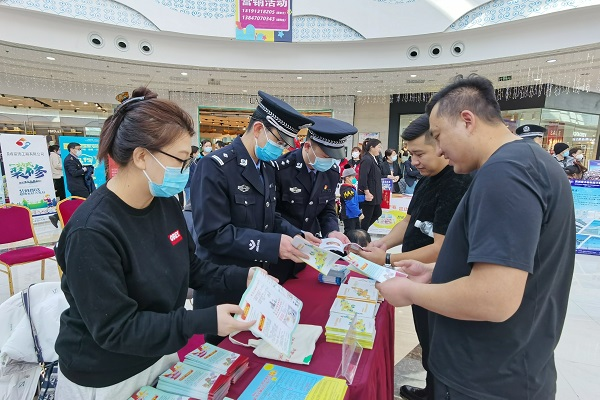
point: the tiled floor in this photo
(577, 355)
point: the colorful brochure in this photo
(275, 310)
(150, 393)
(186, 380)
(219, 360)
(359, 294)
(333, 244)
(318, 258)
(370, 269)
(278, 383)
(362, 308)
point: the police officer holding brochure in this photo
(306, 183)
(233, 198)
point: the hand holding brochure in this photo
(333, 244)
(323, 260)
(276, 311)
(370, 269)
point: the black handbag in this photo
(49, 372)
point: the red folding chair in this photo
(66, 207)
(17, 225)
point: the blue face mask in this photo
(565, 153)
(271, 151)
(321, 164)
(174, 181)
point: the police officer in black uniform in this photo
(233, 198)
(306, 183)
(532, 132)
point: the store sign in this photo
(264, 20)
(54, 131)
(89, 156)
(586, 197)
(28, 175)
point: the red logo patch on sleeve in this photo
(175, 237)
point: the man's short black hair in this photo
(359, 236)
(418, 128)
(474, 93)
(72, 145)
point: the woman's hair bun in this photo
(144, 92)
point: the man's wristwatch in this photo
(388, 261)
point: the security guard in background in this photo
(532, 132)
(307, 179)
(233, 198)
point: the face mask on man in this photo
(579, 157)
(321, 164)
(270, 151)
(77, 153)
(565, 153)
(174, 181)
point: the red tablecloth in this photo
(374, 379)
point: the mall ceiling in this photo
(577, 68)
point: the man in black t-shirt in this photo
(434, 201)
(500, 287)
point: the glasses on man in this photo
(185, 164)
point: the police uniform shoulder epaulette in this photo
(224, 156)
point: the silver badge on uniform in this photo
(295, 190)
(243, 162)
(225, 155)
(299, 165)
(243, 188)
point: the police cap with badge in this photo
(330, 135)
(281, 116)
(530, 131)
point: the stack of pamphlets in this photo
(150, 393)
(365, 284)
(201, 384)
(213, 358)
(279, 383)
(338, 325)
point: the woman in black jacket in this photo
(391, 169)
(369, 183)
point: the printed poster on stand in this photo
(263, 20)
(89, 156)
(586, 198)
(28, 175)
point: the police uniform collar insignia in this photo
(299, 165)
(225, 155)
(243, 188)
(295, 190)
(243, 162)
(287, 161)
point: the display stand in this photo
(351, 352)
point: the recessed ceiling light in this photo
(413, 76)
(244, 90)
(184, 73)
(85, 103)
(50, 58)
(20, 104)
(537, 79)
(359, 91)
(551, 60)
(298, 77)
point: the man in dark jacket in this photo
(75, 172)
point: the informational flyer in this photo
(275, 310)
(586, 198)
(28, 176)
(263, 20)
(370, 269)
(320, 259)
(274, 382)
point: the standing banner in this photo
(89, 156)
(387, 186)
(28, 175)
(390, 217)
(263, 20)
(586, 198)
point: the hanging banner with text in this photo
(89, 156)
(586, 197)
(28, 176)
(263, 20)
